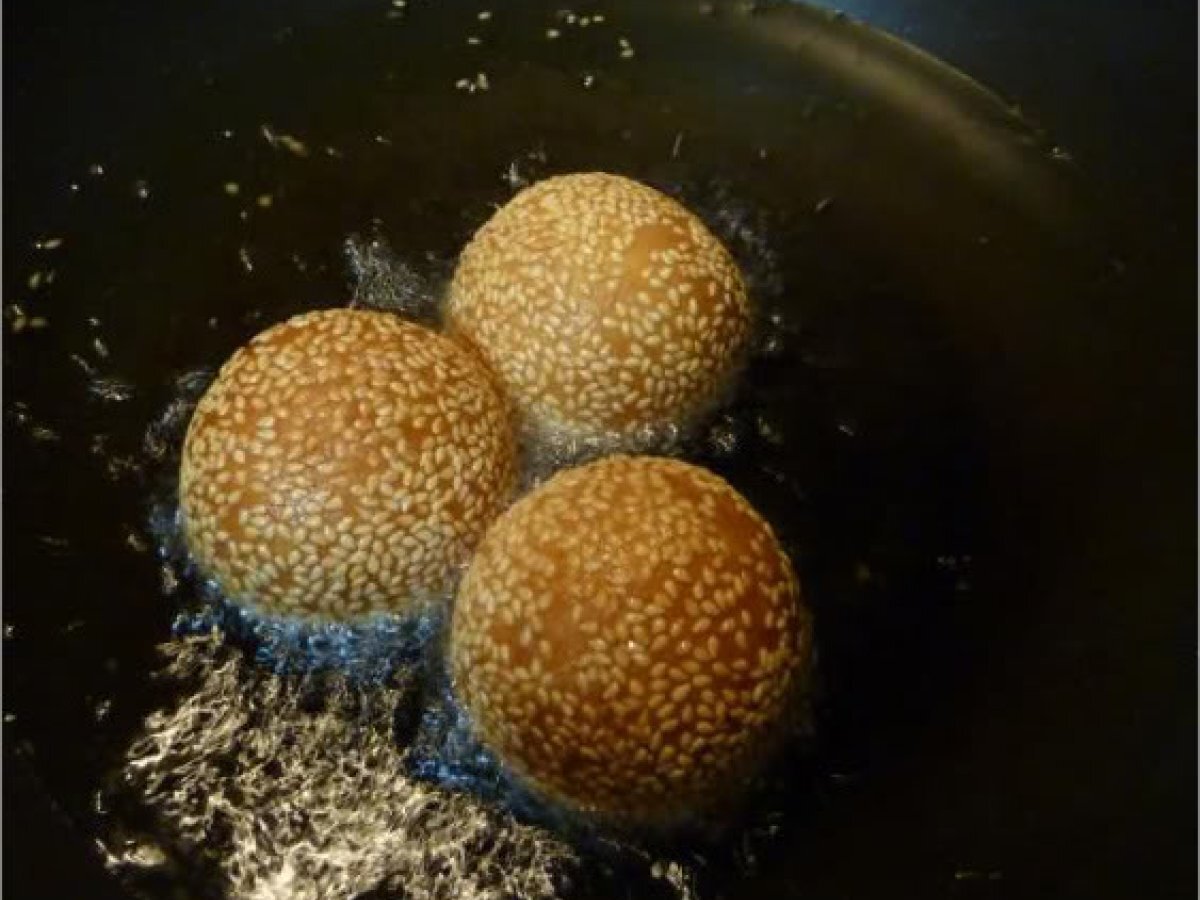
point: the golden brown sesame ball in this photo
(627, 638)
(344, 462)
(606, 307)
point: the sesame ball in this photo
(344, 463)
(608, 309)
(628, 638)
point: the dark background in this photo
(1115, 84)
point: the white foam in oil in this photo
(293, 796)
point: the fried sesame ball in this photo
(628, 638)
(343, 463)
(608, 309)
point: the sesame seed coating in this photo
(628, 636)
(604, 305)
(344, 462)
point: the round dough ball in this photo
(343, 463)
(609, 311)
(628, 638)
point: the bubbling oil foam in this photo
(303, 794)
(381, 280)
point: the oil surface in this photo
(405, 125)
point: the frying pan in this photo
(971, 414)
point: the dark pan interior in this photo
(951, 419)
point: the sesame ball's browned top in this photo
(344, 462)
(604, 305)
(627, 636)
